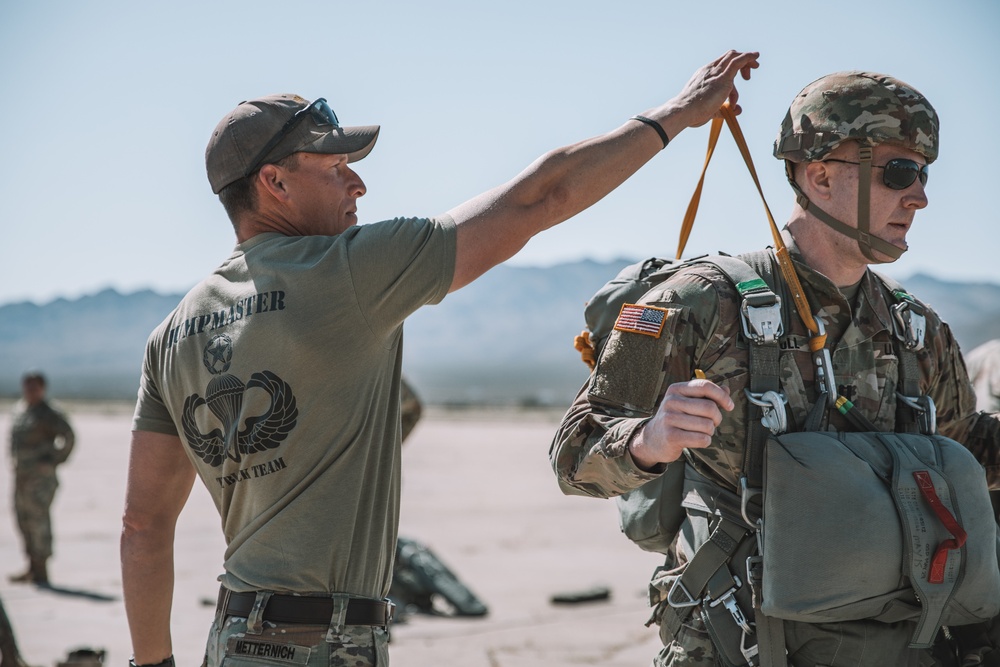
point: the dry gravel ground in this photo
(477, 489)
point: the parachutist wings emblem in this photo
(268, 430)
(208, 446)
(224, 399)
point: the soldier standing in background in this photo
(41, 439)
(983, 364)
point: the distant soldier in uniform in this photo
(41, 440)
(856, 147)
(983, 364)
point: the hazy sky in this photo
(107, 105)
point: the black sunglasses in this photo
(319, 111)
(897, 174)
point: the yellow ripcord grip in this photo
(817, 341)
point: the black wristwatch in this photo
(168, 662)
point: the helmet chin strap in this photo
(861, 234)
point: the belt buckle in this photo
(390, 611)
(222, 607)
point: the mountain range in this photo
(505, 339)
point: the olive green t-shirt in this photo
(281, 375)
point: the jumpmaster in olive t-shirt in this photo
(280, 373)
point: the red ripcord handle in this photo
(936, 573)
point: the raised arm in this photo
(495, 225)
(160, 477)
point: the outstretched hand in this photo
(496, 224)
(711, 86)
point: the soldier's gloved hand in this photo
(687, 418)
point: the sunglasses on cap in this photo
(897, 174)
(319, 111)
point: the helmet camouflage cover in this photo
(870, 108)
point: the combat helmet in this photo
(865, 107)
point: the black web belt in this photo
(306, 610)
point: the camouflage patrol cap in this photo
(871, 108)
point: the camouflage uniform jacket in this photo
(34, 430)
(590, 451)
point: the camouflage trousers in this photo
(34, 491)
(692, 646)
(233, 643)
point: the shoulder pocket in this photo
(631, 368)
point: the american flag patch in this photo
(646, 320)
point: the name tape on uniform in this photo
(269, 652)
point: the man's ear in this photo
(270, 179)
(815, 180)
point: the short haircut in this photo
(240, 196)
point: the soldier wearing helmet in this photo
(856, 147)
(845, 119)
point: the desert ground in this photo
(477, 490)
